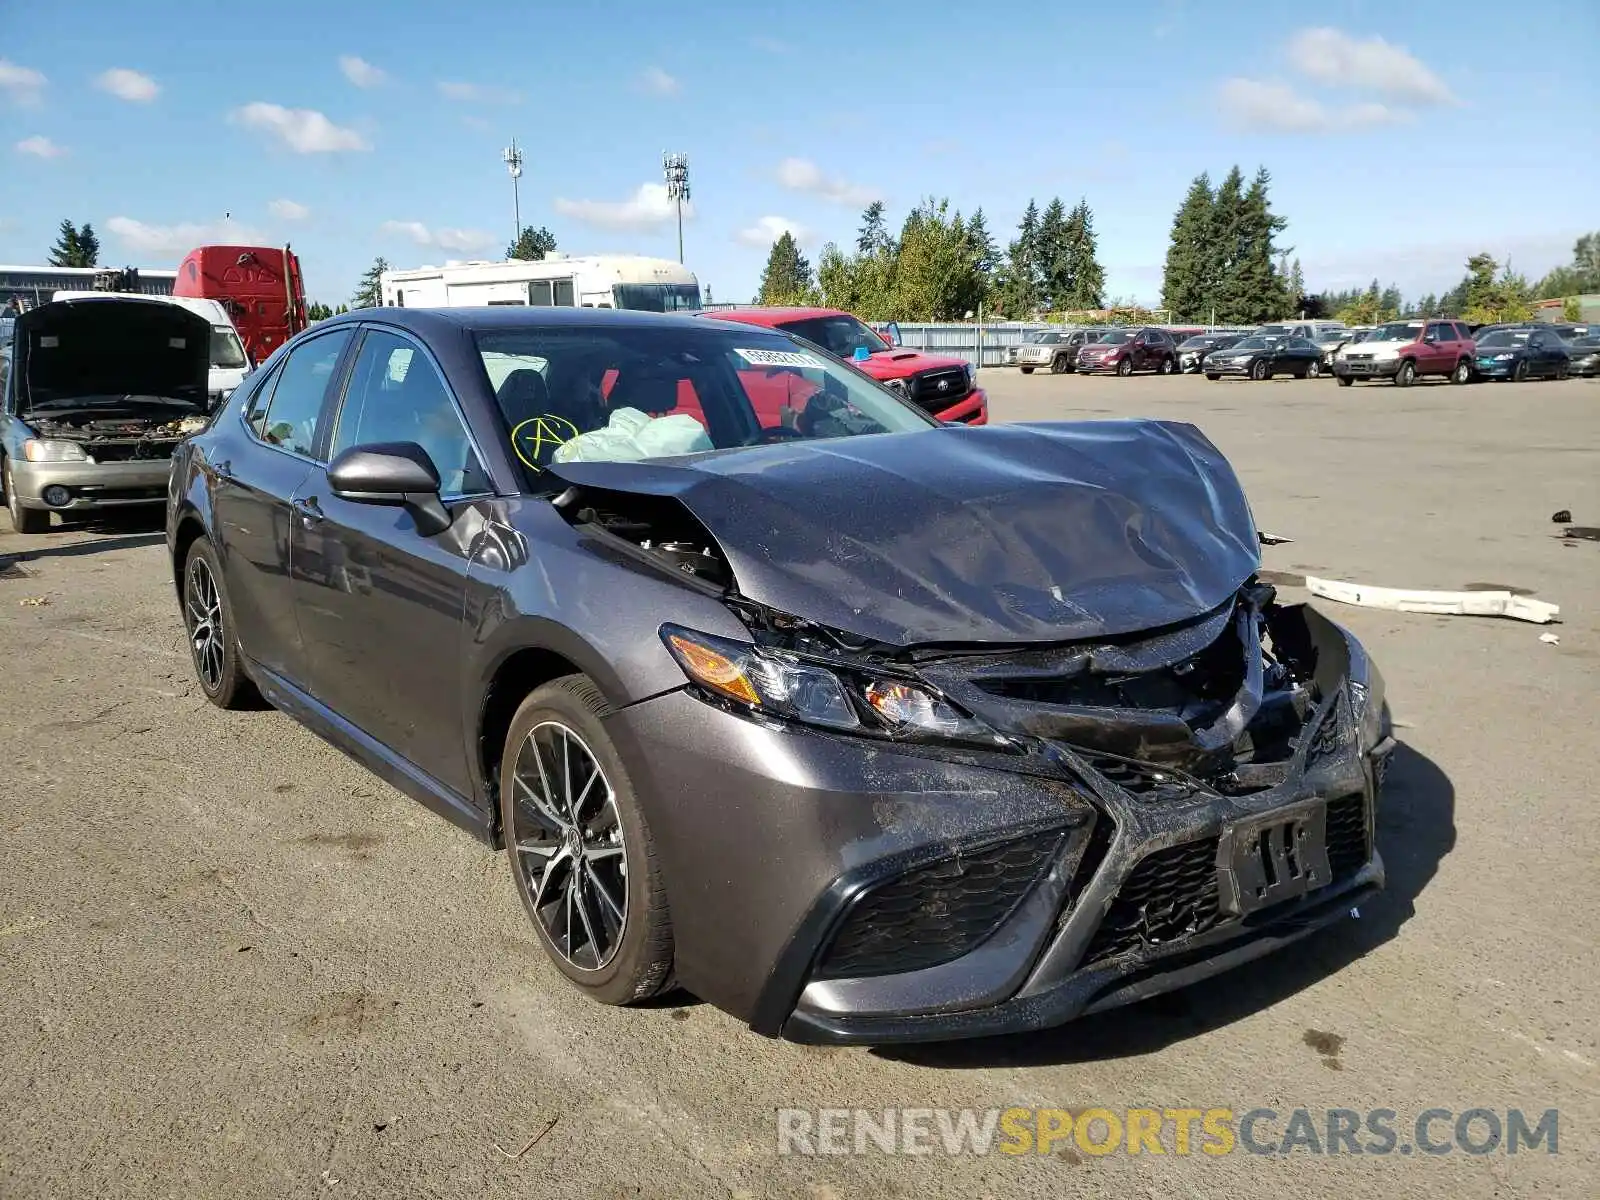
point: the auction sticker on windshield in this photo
(778, 358)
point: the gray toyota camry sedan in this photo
(861, 727)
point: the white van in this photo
(229, 362)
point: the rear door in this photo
(1438, 352)
(255, 479)
(379, 604)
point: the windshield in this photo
(226, 352)
(1396, 331)
(1202, 341)
(1043, 338)
(1273, 329)
(1252, 343)
(838, 335)
(1503, 337)
(658, 297)
(626, 394)
(1117, 337)
(1329, 339)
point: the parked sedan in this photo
(772, 684)
(1128, 350)
(1264, 357)
(1193, 351)
(1519, 354)
(1585, 354)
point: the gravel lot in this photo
(233, 963)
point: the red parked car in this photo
(1406, 350)
(939, 384)
(1128, 350)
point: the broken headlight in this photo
(1371, 706)
(51, 450)
(783, 685)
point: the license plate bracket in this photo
(1278, 857)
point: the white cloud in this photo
(288, 210)
(360, 72)
(1339, 60)
(466, 240)
(126, 84)
(658, 83)
(645, 209)
(303, 130)
(170, 241)
(479, 93)
(1275, 106)
(23, 84)
(40, 147)
(767, 230)
(803, 175)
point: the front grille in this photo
(156, 492)
(938, 912)
(1171, 894)
(926, 390)
(1148, 784)
(1358, 358)
(131, 451)
(1347, 835)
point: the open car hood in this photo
(999, 534)
(112, 345)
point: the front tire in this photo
(1462, 374)
(1212, 377)
(1058, 365)
(213, 645)
(1563, 371)
(23, 520)
(1125, 367)
(1345, 380)
(1406, 375)
(1259, 370)
(1026, 370)
(581, 853)
(1313, 370)
(1520, 374)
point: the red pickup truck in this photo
(940, 385)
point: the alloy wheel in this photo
(569, 845)
(203, 609)
(1313, 369)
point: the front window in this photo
(1254, 343)
(1503, 339)
(1396, 331)
(1117, 337)
(658, 297)
(627, 394)
(1043, 337)
(839, 335)
(226, 352)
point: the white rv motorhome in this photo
(593, 281)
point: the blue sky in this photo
(1399, 141)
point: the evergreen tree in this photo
(873, 237)
(317, 311)
(1391, 302)
(369, 292)
(1054, 267)
(1428, 306)
(532, 244)
(1019, 287)
(1250, 289)
(1187, 282)
(1085, 279)
(983, 245)
(75, 247)
(787, 278)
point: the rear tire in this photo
(23, 520)
(1406, 375)
(213, 645)
(562, 865)
(1212, 377)
(1167, 367)
(1313, 370)
(1026, 370)
(1462, 374)
(1563, 371)
(1259, 370)
(1345, 380)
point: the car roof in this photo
(772, 316)
(437, 320)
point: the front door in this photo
(380, 605)
(256, 474)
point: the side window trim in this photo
(418, 348)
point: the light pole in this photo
(512, 157)
(676, 169)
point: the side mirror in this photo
(393, 473)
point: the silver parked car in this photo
(1056, 349)
(96, 396)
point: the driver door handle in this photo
(309, 512)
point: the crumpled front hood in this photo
(1000, 534)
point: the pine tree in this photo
(1251, 289)
(873, 237)
(1186, 285)
(1054, 267)
(369, 292)
(75, 247)
(1019, 290)
(1085, 279)
(787, 278)
(532, 244)
(983, 245)
(1229, 237)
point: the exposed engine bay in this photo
(123, 437)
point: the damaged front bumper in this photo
(76, 486)
(863, 892)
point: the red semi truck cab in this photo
(943, 386)
(260, 287)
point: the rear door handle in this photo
(309, 512)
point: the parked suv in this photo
(1053, 348)
(939, 384)
(1405, 350)
(1128, 350)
